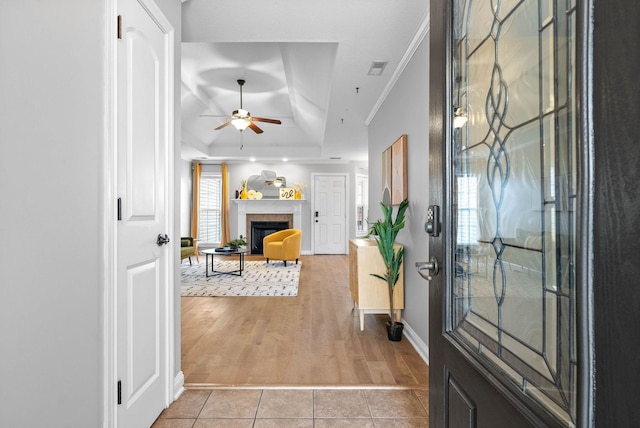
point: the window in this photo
(362, 196)
(468, 233)
(210, 216)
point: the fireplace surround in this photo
(267, 210)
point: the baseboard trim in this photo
(178, 385)
(421, 348)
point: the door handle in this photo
(162, 239)
(426, 269)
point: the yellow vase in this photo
(243, 193)
(298, 195)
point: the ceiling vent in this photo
(377, 67)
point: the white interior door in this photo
(142, 264)
(330, 216)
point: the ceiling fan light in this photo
(240, 124)
(241, 113)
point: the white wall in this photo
(405, 111)
(52, 177)
(51, 140)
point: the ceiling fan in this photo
(241, 119)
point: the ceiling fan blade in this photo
(255, 128)
(223, 125)
(262, 119)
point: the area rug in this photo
(258, 279)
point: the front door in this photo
(504, 186)
(329, 217)
(142, 260)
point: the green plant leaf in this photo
(387, 231)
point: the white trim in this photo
(178, 385)
(419, 345)
(413, 46)
(313, 210)
(170, 318)
(107, 296)
(268, 206)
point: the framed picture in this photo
(287, 193)
(399, 170)
(386, 176)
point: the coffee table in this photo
(240, 252)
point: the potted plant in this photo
(236, 243)
(371, 232)
(386, 230)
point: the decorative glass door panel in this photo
(514, 194)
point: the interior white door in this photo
(141, 262)
(330, 219)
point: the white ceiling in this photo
(305, 62)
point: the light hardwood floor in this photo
(312, 340)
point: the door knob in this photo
(162, 239)
(426, 269)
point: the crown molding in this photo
(423, 30)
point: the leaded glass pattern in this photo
(514, 192)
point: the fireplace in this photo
(269, 210)
(260, 229)
(271, 222)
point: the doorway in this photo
(504, 214)
(329, 213)
(141, 355)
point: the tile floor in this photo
(297, 408)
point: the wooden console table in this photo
(369, 293)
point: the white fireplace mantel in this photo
(268, 206)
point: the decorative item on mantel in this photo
(287, 193)
(267, 185)
(298, 187)
(243, 192)
(252, 194)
